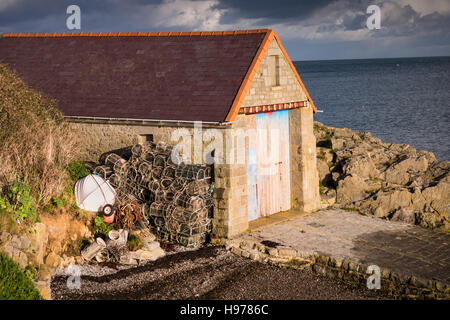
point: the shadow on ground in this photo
(208, 273)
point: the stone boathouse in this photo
(256, 116)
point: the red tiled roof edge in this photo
(132, 34)
(245, 86)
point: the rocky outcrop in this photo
(46, 245)
(392, 181)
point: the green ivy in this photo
(77, 170)
(101, 229)
(18, 200)
(57, 202)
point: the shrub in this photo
(77, 170)
(36, 144)
(14, 284)
(17, 199)
(8, 223)
(101, 229)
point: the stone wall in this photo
(304, 175)
(98, 138)
(264, 92)
(231, 197)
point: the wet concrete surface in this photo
(400, 247)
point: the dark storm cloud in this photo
(354, 22)
(269, 11)
(29, 16)
(20, 11)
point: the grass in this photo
(14, 283)
(37, 144)
(8, 223)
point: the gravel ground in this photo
(206, 273)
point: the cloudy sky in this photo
(309, 29)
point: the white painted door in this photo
(270, 193)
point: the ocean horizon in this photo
(399, 100)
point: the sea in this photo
(399, 100)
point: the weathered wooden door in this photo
(268, 168)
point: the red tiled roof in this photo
(163, 76)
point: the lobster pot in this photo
(90, 166)
(173, 198)
(142, 181)
(115, 180)
(161, 146)
(130, 187)
(121, 168)
(149, 157)
(145, 211)
(138, 150)
(183, 215)
(164, 196)
(193, 241)
(159, 161)
(209, 201)
(146, 195)
(191, 172)
(202, 226)
(103, 171)
(126, 197)
(132, 174)
(134, 162)
(159, 209)
(154, 186)
(156, 173)
(185, 172)
(112, 158)
(159, 222)
(166, 183)
(169, 172)
(161, 234)
(169, 196)
(207, 171)
(159, 196)
(199, 187)
(192, 203)
(145, 168)
(178, 185)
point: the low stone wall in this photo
(396, 285)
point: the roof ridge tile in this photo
(131, 34)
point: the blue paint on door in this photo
(252, 173)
